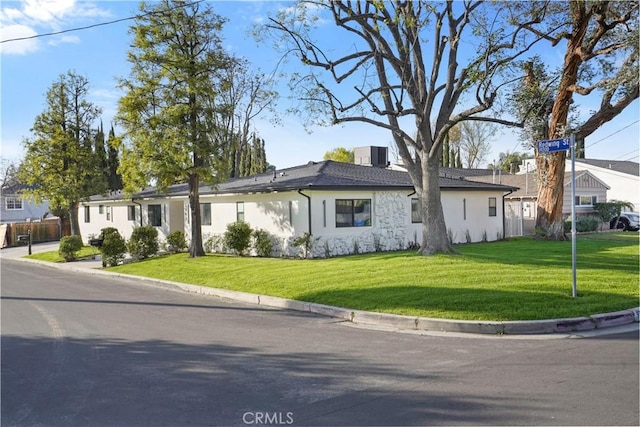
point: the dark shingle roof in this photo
(622, 166)
(326, 175)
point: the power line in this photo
(618, 131)
(625, 155)
(100, 24)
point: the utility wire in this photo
(618, 131)
(100, 24)
(629, 153)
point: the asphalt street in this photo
(87, 350)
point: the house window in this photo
(492, 206)
(131, 213)
(353, 213)
(240, 211)
(155, 215)
(205, 213)
(13, 204)
(100, 209)
(586, 200)
(108, 213)
(87, 214)
(416, 215)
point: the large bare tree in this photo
(600, 41)
(415, 68)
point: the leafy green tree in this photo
(178, 67)
(60, 162)
(340, 154)
(510, 162)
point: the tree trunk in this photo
(73, 218)
(195, 248)
(435, 238)
(549, 221)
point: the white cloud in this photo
(35, 17)
(64, 39)
(48, 10)
(19, 47)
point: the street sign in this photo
(551, 145)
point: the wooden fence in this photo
(45, 231)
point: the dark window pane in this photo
(155, 215)
(205, 213)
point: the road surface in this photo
(85, 350)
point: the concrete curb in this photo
(398, 322)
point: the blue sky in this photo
(28, 68)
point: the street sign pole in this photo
(564, 144)
(574, 289)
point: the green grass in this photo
(53, 256)
(518, 279)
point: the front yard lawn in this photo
(518, 279)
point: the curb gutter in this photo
(400, 322)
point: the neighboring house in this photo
(16, 209)
(623, 177)
(345, 207)
(521, 205)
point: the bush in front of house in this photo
(306, 241)
(143, 242)
(113, 247)
(213, 243)
(238, 237)
(262, 243)
(176, 242)
(583, 224)
(69, 247)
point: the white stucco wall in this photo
(467, 217)
(115, 214)
(285, 216)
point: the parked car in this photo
(628, 221)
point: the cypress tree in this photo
(114, 178)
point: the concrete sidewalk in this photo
(571, 326)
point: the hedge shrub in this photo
(113, 247)
(143, 242)
(69, 247)
(176, 242)
(238, 237)
(262, 243)
(584, 224)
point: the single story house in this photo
(347, 208)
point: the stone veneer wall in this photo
(389, 230)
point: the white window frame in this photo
(12, 203)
